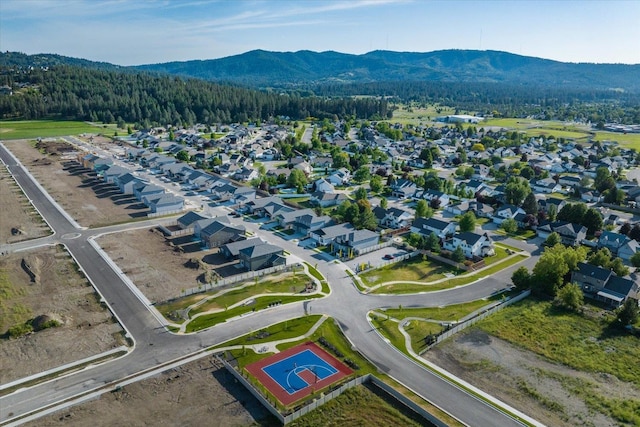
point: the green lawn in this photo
(29, 129)
(448, 313)
(520, 234)
(209, 320)
(414, 269)
(285, 284)
(411, 288)
(280, 331)
(418, 330)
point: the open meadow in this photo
(32, 129)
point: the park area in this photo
(20, 220)
(89, 200)
(49, 314)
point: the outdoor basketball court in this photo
(297, 372)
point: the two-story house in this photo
(473, 245)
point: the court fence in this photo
(325, 397)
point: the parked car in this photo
(388, 256)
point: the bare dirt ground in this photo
(196, 394)
(18, 218)
(84, 196)
(159, 270)
(45, 281)
(524, 380)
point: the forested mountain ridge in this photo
(260, 68)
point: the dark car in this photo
(388, 256)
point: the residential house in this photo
(426, 226)
(323, 186)
(186, 221)
(164, 203)
(603, 285)
(127, 182)
(570, 234)
(431, 195)
(473, 245)
(392, 217)
(506, 212)
(246, 174)
(260, 256)
(326, 200)
(109, 175)
(232, 250)
(403, 189)
(355, 242)
(545, 203)
(214, 233)
(340, 177)
(307, 223)
(547, 186)
(145, 190)
(628, 249)
(325, 236)
(612, 241)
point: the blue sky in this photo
(129, 32)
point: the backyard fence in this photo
(220, 283)
(472, 321)
(386, 262)
(162, 213)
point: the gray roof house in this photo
(426, 226)
(127, 182)
(109, 175)
(145, 191)
(603, 285)
(216, 231)
(164, 203)
(261, 256)
(570, 234)
(355, 242)
(232, 250)
(612, 241)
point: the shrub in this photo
(20, 330)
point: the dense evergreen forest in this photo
(72, 92)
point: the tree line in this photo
(108, 96)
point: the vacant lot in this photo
(44, 284)
(20, 221)
(563, 369)
(84, 196)
(200, 393)
(158, 269)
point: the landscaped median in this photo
(201, 311)
(422, 275)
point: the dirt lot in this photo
(53, 288)
(86, 198)
(159, 270)
(524, 380)
(20, 221)
(197, 394)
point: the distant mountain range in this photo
(259, 68)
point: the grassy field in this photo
(414, 269)
(416, 115)
(29, 129)
(358, 406)
(578, 341)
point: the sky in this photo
(134, 32)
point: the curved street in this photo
(154, 345)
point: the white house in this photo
(472, 244)
(506, 212)
(427, 226)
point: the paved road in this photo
(155, 346)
